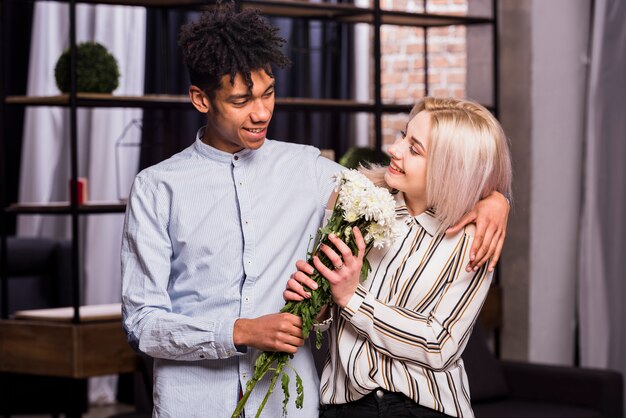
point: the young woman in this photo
(396, 338)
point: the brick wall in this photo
(403, 59)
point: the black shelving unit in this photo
(343, 13)
(348, 14)
(4, 285)
(78, 331)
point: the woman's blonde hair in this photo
(467, 158)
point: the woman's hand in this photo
(344, 278)
(295, 290)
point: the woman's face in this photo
(408, 166)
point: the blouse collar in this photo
(426, 219)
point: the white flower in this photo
(351, 215)
(347, 232)
(359, 199)
(382, 236)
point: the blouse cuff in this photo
(355, 302)
(325, 324)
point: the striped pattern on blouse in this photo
(406, 326)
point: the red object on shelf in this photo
(81, 195)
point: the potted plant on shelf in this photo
(97, 70)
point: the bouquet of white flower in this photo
(360, 203)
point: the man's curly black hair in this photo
(224, 42)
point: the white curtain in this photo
(602, 280)
(45, 166)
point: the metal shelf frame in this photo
(182, 102)
(343, 13)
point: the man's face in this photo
(238, 117)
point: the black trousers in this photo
(380, 404)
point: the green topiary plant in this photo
(362, 155)
(96, 69)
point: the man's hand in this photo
(490, 216)
(274, 332)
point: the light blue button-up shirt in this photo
(211, 237)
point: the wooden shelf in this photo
(182, 102)
(65, 349)
(103, 100)
(46, 342)
(424, 20)
(317, 11)
(64, 208)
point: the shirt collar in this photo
(218, 155)
(426, 219)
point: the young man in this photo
(212, 233)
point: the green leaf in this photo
(318, 339)
(365, 269)
(284, 382)
(299, 391)
(260, 360)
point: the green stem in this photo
(279, 369)
(259, 373)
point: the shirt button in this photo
(249, 261)
(245, 376)
(241, 183)
(380, 394)
(247, 299)
(201, 355)
(246, 222)
(236, 157)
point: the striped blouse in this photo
(405, 328)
